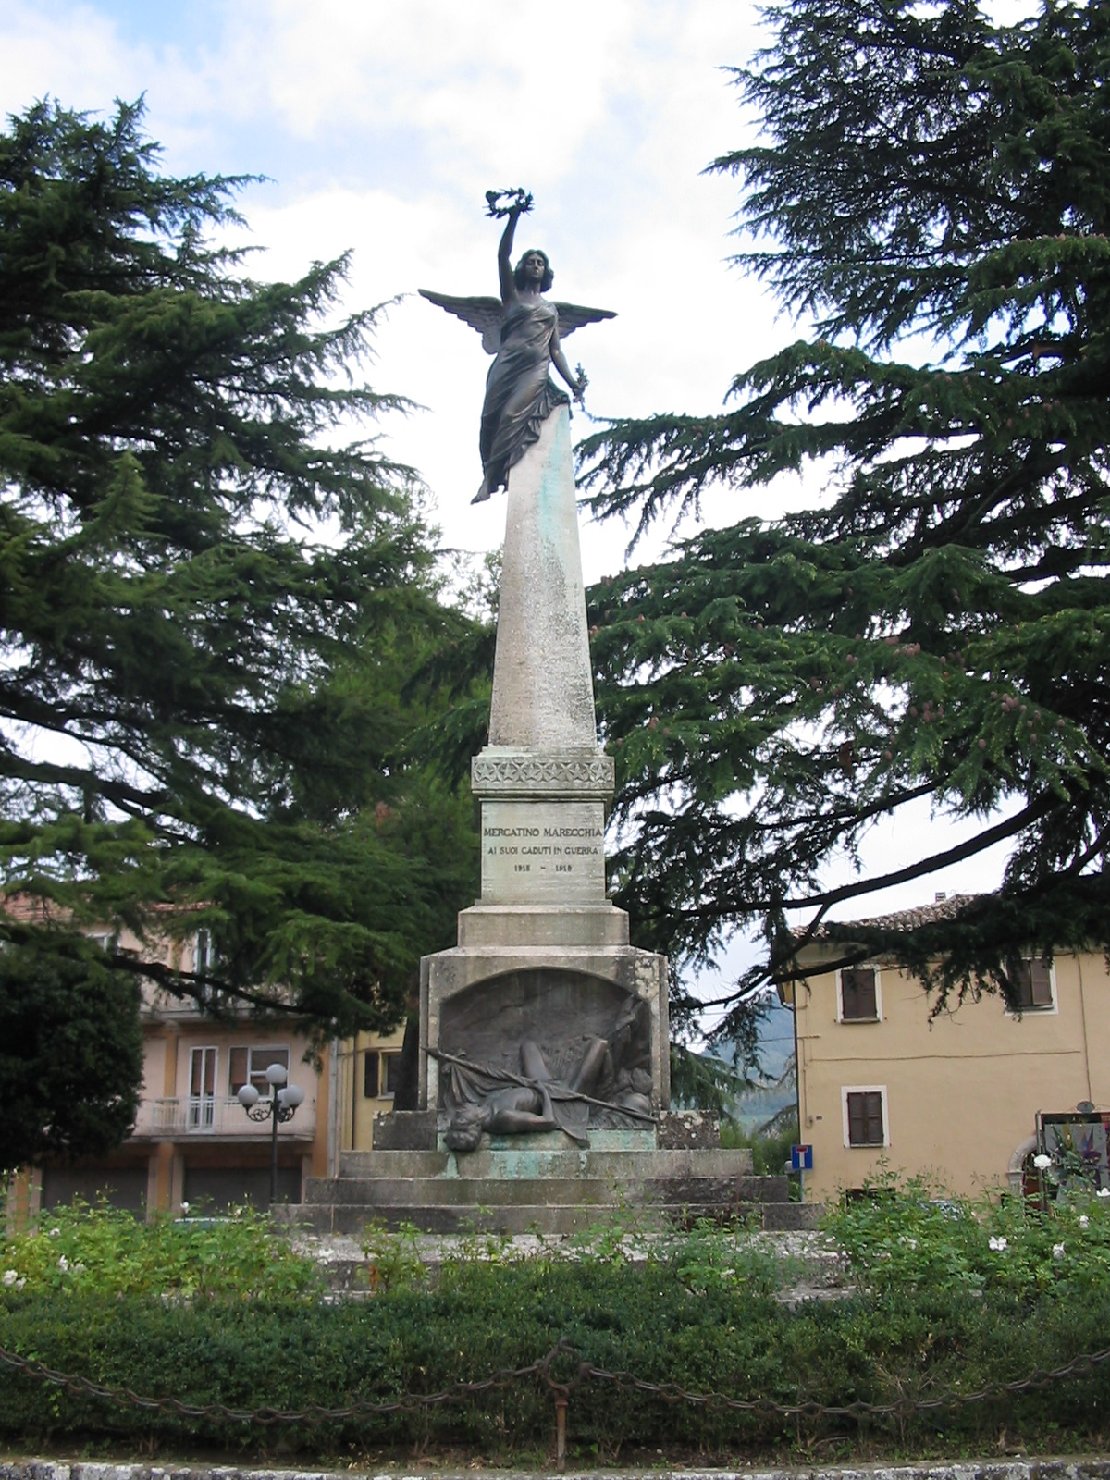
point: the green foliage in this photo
(393, 1258)
(703, 1081)
(930, 191)
(694, 1313)
(77, 1250)
(711, 1259)
(905, 1235)
(769, 1152)
(70, 1051)
(209, 611)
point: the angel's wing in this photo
(483, 314)
(573, 316)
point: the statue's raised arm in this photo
(525, 332)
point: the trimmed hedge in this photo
(651, 1320)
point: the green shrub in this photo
(78, 1249)
(901, 1235)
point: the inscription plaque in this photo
(540, 853)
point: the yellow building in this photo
(364, 1081)
(956, 1097)
(192, 1142)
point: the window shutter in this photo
(858, 998)
(1040, 982)
(865, 1117)
(370, 1089)
(236, 1070)
(1033, 983)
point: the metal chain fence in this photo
(561, 1388)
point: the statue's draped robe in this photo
(519, 394)
(473, 1084)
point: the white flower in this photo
(910, 1243)
(1057, 1251)
(998, 1245)
(11, 1277)
(185, 1209)
(1084, 1221)
(1042, 1162)
(1103, 1192)
(55, 1232)
(78, 1269)
(63, 1263)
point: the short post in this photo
(560, 1427)
(801, 1161)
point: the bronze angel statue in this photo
(525, 333)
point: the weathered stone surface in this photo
(786, 1216)
(528, 1184)
(552, 998)
(405, 1130)
(545, 851)
(723, 1194)
(549, 1219)
(543, 697)
(689, 1128)
(501, 772)
(608, 1157)
(572, 928)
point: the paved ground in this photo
(814, 1269)
(1011, 1469)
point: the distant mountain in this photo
(776, 1087)
(776, 1042)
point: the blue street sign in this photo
(801, 1158)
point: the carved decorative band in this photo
(539, 774)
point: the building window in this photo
(865, 1116)
(1032, 979)
(204, 953)
(206, 963)
(249, 1065)
(379, 1073)
(859, 994)
(202, 1088)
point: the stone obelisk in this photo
(543, 956)
(542, 781)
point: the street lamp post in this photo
(1042, 1161)
(281, 1106)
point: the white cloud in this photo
(383, 124)
(72, 54)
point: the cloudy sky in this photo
(380, 124)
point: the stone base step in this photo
(541, 1184)
(544, 1218)
(511, 1161)
(595, 1192)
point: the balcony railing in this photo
(208, 1115)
